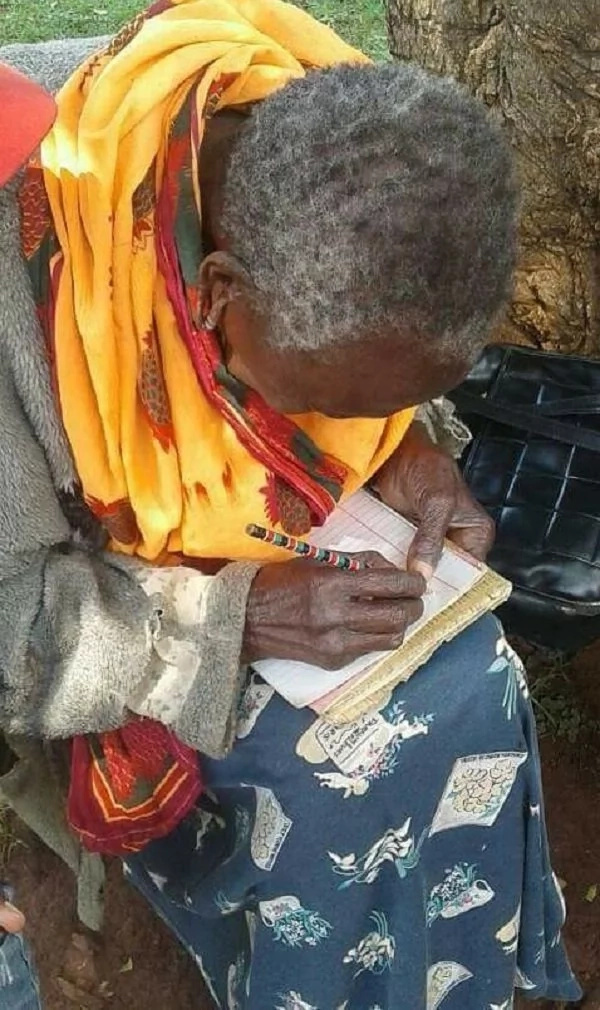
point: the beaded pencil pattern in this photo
(303, 549)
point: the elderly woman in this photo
(253, 255)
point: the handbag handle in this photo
(533, 421)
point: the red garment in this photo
(130, 786)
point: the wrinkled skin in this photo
(328, 617)
(423, 483)
(300, 610)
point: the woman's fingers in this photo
(335, 649)
(372, 559)
(428, 543)
(383, 617)
(11, 920)
(388, 583)
(475, 536)
(368, 626)
(328, 616)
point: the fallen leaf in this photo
(128, 966)
(592, 893)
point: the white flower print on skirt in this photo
(399, 863)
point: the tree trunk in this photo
(536, 64)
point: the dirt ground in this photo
(139, 967)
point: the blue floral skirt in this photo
(398, 863)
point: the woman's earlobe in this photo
(221, 278)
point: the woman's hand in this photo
(327, 616)
(423, 483)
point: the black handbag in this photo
(534, 464)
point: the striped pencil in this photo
(304, 550)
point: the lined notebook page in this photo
(363, 523)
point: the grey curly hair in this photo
(372, 199)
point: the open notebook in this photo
(460, 592)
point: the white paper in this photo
(362, 523)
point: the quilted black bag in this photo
(534, 464)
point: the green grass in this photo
(359, 21)
(36, 20)
(559, 711)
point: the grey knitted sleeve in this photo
(82, 641)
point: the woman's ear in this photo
(222, 278)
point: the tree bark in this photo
(536, 65)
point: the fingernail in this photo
(422, 568)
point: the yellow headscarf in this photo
(165, 458)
